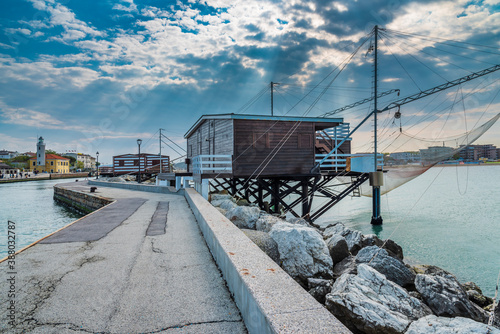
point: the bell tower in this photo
(40, 153)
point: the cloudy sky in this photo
(96, 75)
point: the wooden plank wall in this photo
(212, 137)
(255, 141)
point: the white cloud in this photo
(128, 7)
(5, 46)
(455, 20)
(30, 118)
(65, 18)
(23, 31)
(45, 74)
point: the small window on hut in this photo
(136, 162)
(261, 140)
(121, 163)
(305, 140)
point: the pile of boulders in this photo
(126, 178)
(362, 279)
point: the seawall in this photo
(44, 177)
(79, 201)
(269, 300)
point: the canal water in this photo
(448, 217)
(31, 207)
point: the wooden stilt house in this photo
(263, 146)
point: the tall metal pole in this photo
(97, 165)
(272, 98)
(160, 150)
(376, 218)
(139, 142)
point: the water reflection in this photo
(377, 230)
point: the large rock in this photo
(370, 303)
(244, 216)
(214, 198)
(496, 321)
(479, 299)
(392, 268)
(298, 221)
(265, 243)
(227, 204)
(303, 251)
(266, 222)
(371, 240)
(472, 286)
(319, 288)
(346, 266)
(446, 297)
(428, 269)
(393, 249)
(353, 238)
(476, 295)
(338, 248)
(442, 325)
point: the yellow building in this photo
(53, 164)
(50, 163)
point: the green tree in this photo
(50, 152)
(79, 165)
(72, 161)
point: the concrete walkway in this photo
(121, 280)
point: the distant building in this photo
(435, 154)
(50, 163)
(6, 169)
(477, 152)
(148, 163)
(408, 157)
(8, 154)
(87, 160)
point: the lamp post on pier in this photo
(97, 165)
(139, 142)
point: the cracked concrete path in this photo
(125, 282)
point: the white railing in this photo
(339, 161)
(212, 164)
(339, 132)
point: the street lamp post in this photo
(139, 142)
(97, 165)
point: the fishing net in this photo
(421, 153)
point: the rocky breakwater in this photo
(362, 279)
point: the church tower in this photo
(40, 153)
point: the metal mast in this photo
(376, 218)
(272, 96)
(159, 139)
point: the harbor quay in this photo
(151, 260)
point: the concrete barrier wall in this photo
(269, 300)
(135, 186)
(79, 201)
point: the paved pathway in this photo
(122, 279)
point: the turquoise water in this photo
(448, 217)
(31, 207)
